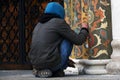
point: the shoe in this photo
(45, 73)
(58, 73)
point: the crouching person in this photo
(52, 43)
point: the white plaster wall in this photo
(115, 18)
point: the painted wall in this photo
(98, 14)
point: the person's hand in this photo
(85, 25)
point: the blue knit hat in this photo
(55, 8)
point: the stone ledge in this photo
(86, 66)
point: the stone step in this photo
(27, 75)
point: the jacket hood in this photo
(55, 8)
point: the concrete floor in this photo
(27, 75)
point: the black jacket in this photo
(46, 39)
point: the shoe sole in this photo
(44, 73)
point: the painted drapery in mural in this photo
(98, 15)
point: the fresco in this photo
(97, 13)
